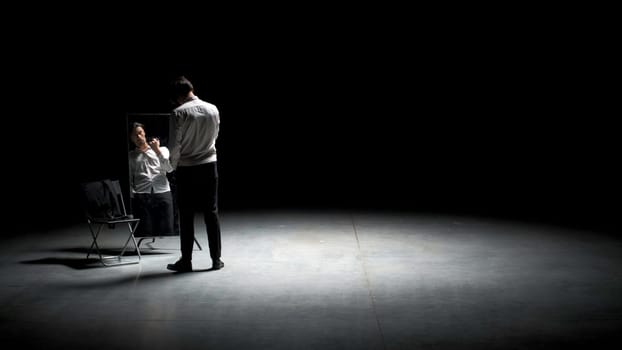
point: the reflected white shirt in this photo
(148, 171)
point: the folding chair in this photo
(104, 206)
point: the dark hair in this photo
(136, 125)
(180, 87)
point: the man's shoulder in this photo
(196, 102)
(206, 104)
(196, 108)
(206, 108)
(211, 107)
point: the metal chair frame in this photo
(106, 195)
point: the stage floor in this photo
(321, 280)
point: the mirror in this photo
(150, 177)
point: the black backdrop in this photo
(504, 124)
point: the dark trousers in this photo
(197, 191)
(155, 211)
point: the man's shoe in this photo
(180, 266)
(217, 264)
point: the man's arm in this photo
(174, 140)
(165, 162)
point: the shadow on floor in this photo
(75, 263)
(93, 261)
(116, 251)
(81, 263)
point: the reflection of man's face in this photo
(138, 136)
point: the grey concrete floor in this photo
(321, 280)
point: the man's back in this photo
(195, 126)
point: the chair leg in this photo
(95, 235)
(132, 230)
(102, 259)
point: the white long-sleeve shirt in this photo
(193, 132)
(148, 171)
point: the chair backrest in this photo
(103, 199)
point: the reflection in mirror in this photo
(151, 176)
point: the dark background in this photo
(486, 118)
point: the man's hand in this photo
(155, 145)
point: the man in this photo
(150, 189)
(194, 130)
